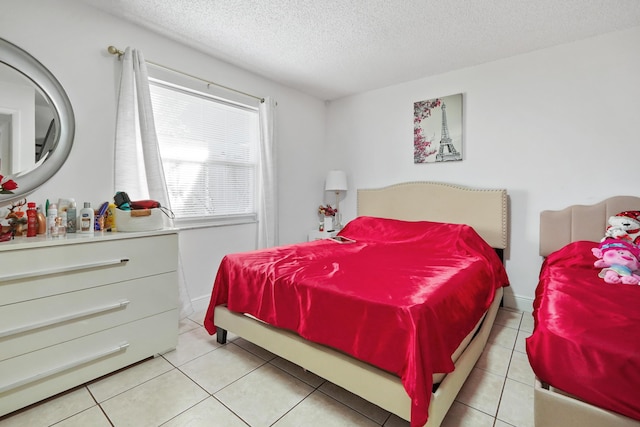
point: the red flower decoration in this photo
(327, 210)
(7, 186)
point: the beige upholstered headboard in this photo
(483, 209)
(580, 222)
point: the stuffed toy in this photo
(624, 226)
(619, 260)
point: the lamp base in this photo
(338, 217)
(328, 223)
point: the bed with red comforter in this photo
(586, 339)
(401, 297)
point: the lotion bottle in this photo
(86, 219)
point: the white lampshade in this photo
(336, 181)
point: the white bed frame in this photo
(553, 407)
(485, 210)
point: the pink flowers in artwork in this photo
(421, 145)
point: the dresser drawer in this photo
(39, 323)
(38, 272)
(37, 375)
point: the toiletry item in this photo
(86, 219)
(110, 218)
(32, 220)
(62, 228)
(122, 201)
(63, 204)
(42, 221)
(100, 216)
(72, 217)
(52, 214)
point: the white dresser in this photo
(76, 308)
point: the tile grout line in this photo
(506, 375)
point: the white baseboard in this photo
(517, 302)
(200, 303)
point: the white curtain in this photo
(268, 195)
(138, 166)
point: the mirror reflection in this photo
(27, 125)
(37, 125)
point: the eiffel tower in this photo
(445, 142)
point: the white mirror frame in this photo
(24, 63)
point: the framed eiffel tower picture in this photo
(437, 129)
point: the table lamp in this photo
(336, 181)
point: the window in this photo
(209, 150)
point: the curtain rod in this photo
(115, 51)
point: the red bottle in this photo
(32, 220)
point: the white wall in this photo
(554, 127)
(71, 39)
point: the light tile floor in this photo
(202, 383)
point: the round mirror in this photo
(36, 123)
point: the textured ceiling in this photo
(334, 48)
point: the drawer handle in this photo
(67, 366)
(64, 318)
(65, 269)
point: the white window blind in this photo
(209, 150)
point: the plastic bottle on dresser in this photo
(72, 217)
(52, 214)
(86, 219)
(42, 221)
(32, 220)
(110, 220)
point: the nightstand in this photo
(319, 235)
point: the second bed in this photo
(585, 347)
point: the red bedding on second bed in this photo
(401, 297)
(586, 339)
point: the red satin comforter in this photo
(586, 339)
(402, 297)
